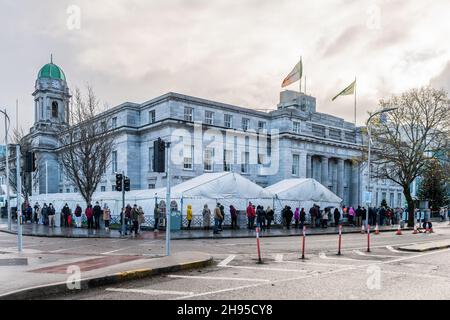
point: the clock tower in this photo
(51, 96)
(51, 115)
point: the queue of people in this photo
(256, 216)
(94, 216)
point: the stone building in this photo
(210, 136)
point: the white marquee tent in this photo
(224, 187)
(302, 193)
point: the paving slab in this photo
(423, 247)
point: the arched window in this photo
(55, 109)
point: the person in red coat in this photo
(251, 214)
(89, 212)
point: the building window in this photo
(296, 127)
(114, 162)
(228, 120)
(103, 126)
(67, 190)
(75, 189)
(209, 117)
(188, 152)
(114, 122)
(245, 124)
(209, 159)
(391, 200)
(150, 159)
(102, 189)
(245, 159)
(113, 188)
(55, 109)
(262, 125)
(152, 116)
(261, 163)
(227, 160)
(188, 114)
(295, 164)
(151, 186)
(399, 199)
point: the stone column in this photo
(303, 165)
(334, 175)
(340, 178)
(324, 177)
(354, 192)
(309, 173)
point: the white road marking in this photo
(218, 291)
(217, 278)
(151, 291)
(226, 261)
(360, 253)
(279, 258)
(393, 250)
(112, 251)
(308, 276)
(323, 255)
(319, 264)
(263, 268)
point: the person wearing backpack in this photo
(106, 216)
(217, 217)
(97, 215)
(51, 216)
(78, 212)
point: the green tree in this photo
(433, 185)
(411, 136)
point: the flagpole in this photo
(355, 103)
(301, 64)
(305, 84)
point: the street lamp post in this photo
(370, 154)
(7, 206)
(19, 205)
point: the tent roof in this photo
(217, 185)
(303, 190)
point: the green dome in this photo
(51, 71)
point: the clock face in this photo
(55, 84)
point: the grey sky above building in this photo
(231, 51)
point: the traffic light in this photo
(159, 156)
(119, 178)
(126, 184)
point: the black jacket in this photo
(97, 211)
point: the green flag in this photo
(347, 91)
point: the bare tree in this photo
(86, 144)
(408, 138)
(29, 179)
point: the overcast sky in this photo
(232, 51)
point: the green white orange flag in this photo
(347, 91)
(295, 75)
